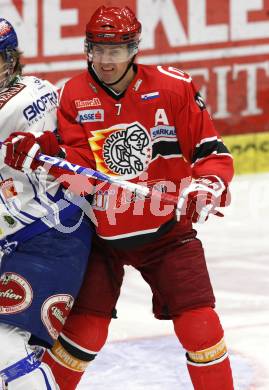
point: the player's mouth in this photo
(107, 69)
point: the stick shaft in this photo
(78, 169)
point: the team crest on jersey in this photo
(16, 293)
(54, 312)
(124, 150)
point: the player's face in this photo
(110, 61)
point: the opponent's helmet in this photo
(8, 36)
(8, 48)
(113, 25)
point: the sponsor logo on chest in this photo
(87, 103)
(162, 131)
(85, 116)
(37, 108)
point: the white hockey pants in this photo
(14, 349)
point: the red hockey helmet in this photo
(113, 25)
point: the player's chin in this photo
(107, 78)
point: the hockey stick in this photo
(138, 189)
(89, 172)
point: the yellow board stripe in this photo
(250, 151)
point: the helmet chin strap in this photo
(121, 77)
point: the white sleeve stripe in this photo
(16, 139)
(209, 139)
(30, 156)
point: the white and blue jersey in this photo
(44, 236)
(34, 200)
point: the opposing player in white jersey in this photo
(40, 229)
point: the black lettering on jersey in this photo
(200, 101)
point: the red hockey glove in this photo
(200, 199)
(20, 149)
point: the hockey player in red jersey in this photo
(149, 125)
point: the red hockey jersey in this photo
(157, 133)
